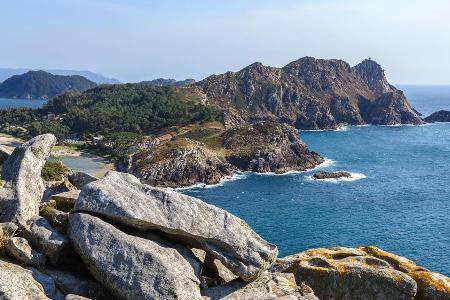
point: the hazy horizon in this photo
(142, 40)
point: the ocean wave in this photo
(353, 177)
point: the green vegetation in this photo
(53, 171)
(128, 108)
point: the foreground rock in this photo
(24, 187)
(19, 249)
(431, 285)
(122, 198)
(363, 273)
(47, 240)
(331, 175)
(18, 283)
(80, 179)
(270, 286)
(439, 116)
(134, 267)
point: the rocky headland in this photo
(117, 238)
(208, 153)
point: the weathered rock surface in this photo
(183, 164)
(331, 175)
(66, 201)
(270, 286)
(69, 283)
(133, 267)
(58, 219)
(7, 229)
(24, 188)
(4, 154)
(430, 285)
(80, 179)
(18, 283)
(268, 147)
(311, 94)
(439, 116)
(206, 155)
(122, 198)
(19, 249)
(75, 297)
(47, 240)
(56, 187)
(347, 273)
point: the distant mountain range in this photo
(168, 82)
(42, 85)
(6, 73)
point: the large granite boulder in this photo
(134, 267)
(122, 198)
(17, 283)
(346, 273)
(24, 187)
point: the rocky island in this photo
(116, 238)
(331, 175)
(439, 116)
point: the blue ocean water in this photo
(14, 103)
(399, 198)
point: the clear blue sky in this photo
(137, 40)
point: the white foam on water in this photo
(353, 177)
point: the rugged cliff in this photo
(207, 153)
(310, 94)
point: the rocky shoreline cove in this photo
(117, 238)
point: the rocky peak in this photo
(373, 75)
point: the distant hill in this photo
(42, 85)
(168, 82)
(6, 73)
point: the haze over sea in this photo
(398, 198)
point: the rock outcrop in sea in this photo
(128, 240)
(439, 116)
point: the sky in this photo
(138, 40)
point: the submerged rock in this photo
(122, 198)
(331, 175)
(24, 187)
(133, 267)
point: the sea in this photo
(398, 197)
(16, 103)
